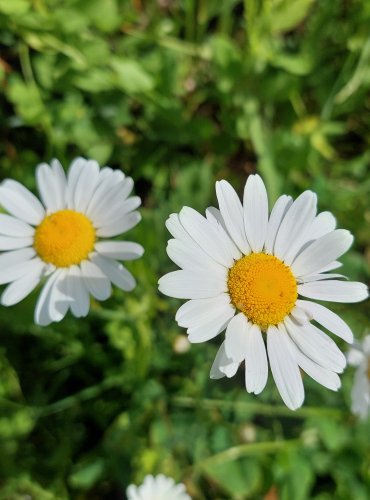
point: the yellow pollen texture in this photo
(64, 238)
(263, 288)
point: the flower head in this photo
(252, 272)
(359, 356)
(157, 488)
(64, 237)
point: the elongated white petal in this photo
(293, 227)
(322, 252)
(77, 292)
(10, 226)
(316, 345)
(322, 224)
(212, 326)
(186, 285)
(23, 286)
(116, 272)
(330, 267)
(9, 243)
(328, 319)
(207, 236)
(284, 368)
(277, 214)
(52, 184)
(334, 291)
(95, 280)
(197, 312)
(192, 258)
(42, 310)
(74, 172)
(360, 394)
(121, 250)
(255, 212)
(222, 365)
(17, 270)
(309, 278)
(323, 376)
(117, 226)
(21, 203)
(15, 257)
(213, 215)
(85, 185)
(256, 365)
(232, 213)
(236, 338)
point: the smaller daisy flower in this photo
(257, 275)
(64, 238)
(359, 356)
(157, 488)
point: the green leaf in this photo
(131, 76)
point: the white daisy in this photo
(157, 488)
(64, 237)
(245, 270)
(359, 355)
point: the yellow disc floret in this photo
(64, 238)
(263, 288)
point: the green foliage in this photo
(179, 94)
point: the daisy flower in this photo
(359, 356)
(66, 237)
(157, 488)
(252, 273)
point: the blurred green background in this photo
(179, 94)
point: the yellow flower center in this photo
(64, 238)
(263, 288)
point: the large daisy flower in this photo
(66, 237)
(252, 273)
(157, 488)
(359, 356)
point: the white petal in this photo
(331, 267)
(232, 213)
(44, 311)
(212, 326)
(74, 172)
(213, 242)
(213, 214)
(284, 368)
(77, 292)
(322, 252)
(192, 258)
(277, 215)
(222, 365)
(85, 185)
(95, 280)
(17, 270)
(293, 227)
(334, 291)
(116, 227)
(255, 212)
(322, 224)
(20, 202)
(361, 394)
(256, 365)
(10, 226)
(19, 289)
(111, 199)
(236, 338)
(9, 243)
(107, 180)
(328, 319)
(52, 184)
(177, 230)
(197, 312)
(309, 278)
(300, 315)
(9, 259)
(116, 272)
(58, 302)
(187, 285)
(325, 377)
(355, 356)
(121, 250)
(316, 345)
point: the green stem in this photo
(259, 408)
(246, 450)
